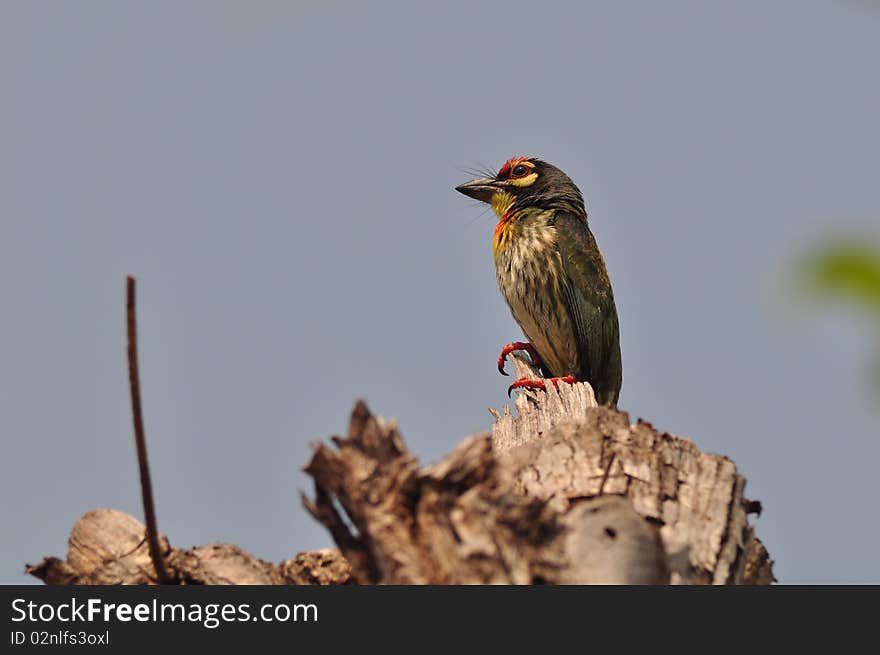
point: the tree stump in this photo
(563, 493)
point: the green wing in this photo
(590, 303)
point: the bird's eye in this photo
(519, 171)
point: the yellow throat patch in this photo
(502, 201)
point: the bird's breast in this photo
(531, 278)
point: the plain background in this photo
(279, 177)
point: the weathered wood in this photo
(108, 547)
(461, 521)
(612, 544)
(537, 411)
(563, 492)
(562, 446)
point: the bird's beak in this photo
(482, 189)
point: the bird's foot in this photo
(518, 345)
(525, 383)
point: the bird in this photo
(553, 276)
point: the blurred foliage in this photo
(849, 271)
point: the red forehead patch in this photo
(510, 163)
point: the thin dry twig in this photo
(140, 438)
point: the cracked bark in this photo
(109, 547)
(564, 493)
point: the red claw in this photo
(517, 345)
(525, 383)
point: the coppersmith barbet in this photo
(553, 276)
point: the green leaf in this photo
(850, 271)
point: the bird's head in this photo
(525, 182)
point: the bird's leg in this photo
(518, 345)
(525, 383)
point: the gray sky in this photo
(279, 178)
